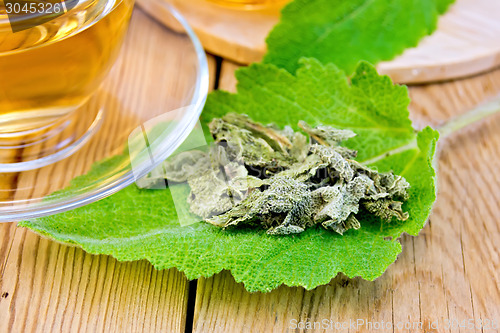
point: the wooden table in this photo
(449, 272)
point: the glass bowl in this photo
(160, 77)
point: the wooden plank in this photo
(46, 286)
(227, 79)
(449, 272)
(466, 42)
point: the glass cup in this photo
(53, 57)
(158, 81)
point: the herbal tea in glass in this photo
(53, 57)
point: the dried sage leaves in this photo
(282, 180)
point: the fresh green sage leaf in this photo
(142, 224)
(345, 32)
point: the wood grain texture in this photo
(466, 42)
(49, 287)
(449, 272)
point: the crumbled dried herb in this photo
(282, 181)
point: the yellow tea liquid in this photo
(49, 70)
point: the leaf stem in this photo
(449, 127)
(470, 117)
